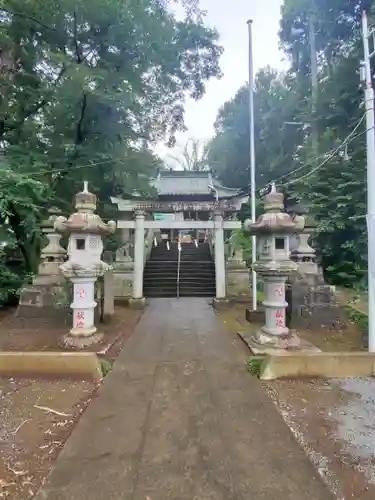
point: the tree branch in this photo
(79, 138)
(8, 127)
(75, 35)
(25, 16)
(79, 131)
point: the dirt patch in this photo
(234, 321)
(347, 339)
(36, 334)
(37, 417)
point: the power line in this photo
(76, 167)
(331, 154)
(344, 143)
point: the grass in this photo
(254, 364)
(358, 317)
(106, 366)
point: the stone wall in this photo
(123, 284)
(46, 301)
(314, 306)
(238, 283)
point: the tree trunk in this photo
(30, 248)
(30, 256)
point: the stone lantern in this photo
(301, 251)
(47, 296)
(304, 255)
(84, 265)
(273, 230)
(52, 255)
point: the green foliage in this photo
(106, 366)
(12, 274)
(245, 212)
(275, 102)
(87, 87)
(337, 189)
(244, 240)
(22, 202)
(10, 282)
(254, 364)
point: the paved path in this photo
(179, 418)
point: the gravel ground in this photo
(36, 418)
(335, 423)
(356, 423)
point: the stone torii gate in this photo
(139, 224)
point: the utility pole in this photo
(314, 80)
(314, 87)
(252, 164)
(370, 142)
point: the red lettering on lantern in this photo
(81, 293)
(279, 314)
(280, 322)
(80, 319)
(279, 291)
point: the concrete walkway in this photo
(180, 418)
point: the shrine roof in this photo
(182, 182)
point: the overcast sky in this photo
(229, 18)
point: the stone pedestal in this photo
(109, 295)
(48, 300)
(314, 306)
(83, 305)
(124, 258)
(48, 295)
(313, 302)
(275, 333)
(123, 284)
(236, 260)
(237, 276)
(238, 283)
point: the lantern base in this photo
(220, 304)
(137, 304)
(287, 341)
(80, 341)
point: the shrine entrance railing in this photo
(178, 269)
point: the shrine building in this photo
(184, 223)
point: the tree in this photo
(86, 87)
(194, 156)
(335, 182)
(337, 189)
(275, 104)
(21, 202)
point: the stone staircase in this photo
(197, 271)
